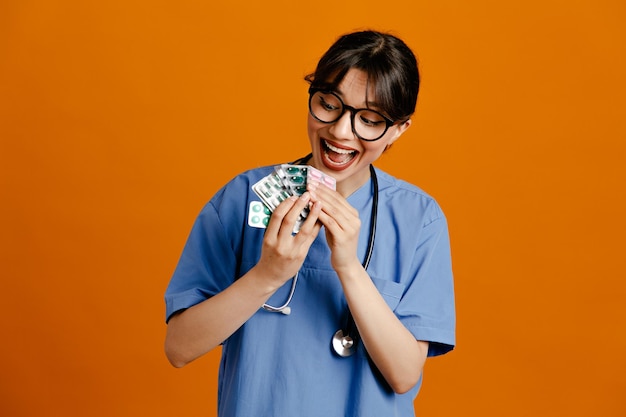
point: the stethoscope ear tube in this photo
(285, 309)
(344, 343)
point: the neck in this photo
(353, 183)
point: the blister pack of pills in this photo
(289, 180)
(293, 177)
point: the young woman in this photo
(367, 278)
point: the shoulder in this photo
(404, 196)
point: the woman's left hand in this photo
(342, 225)
(399, 357)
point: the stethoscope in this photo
(344, 342)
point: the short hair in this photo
(389, 63)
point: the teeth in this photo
(338, 150)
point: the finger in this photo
(331, 198)
(340, 220)
(276, 220)
(293, 215)
(329, 222)
(311, 226)
(309, 230)
(337, 215)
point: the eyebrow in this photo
(371, 104)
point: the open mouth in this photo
(336, 157)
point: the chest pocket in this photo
(391, 291)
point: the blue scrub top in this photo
(283, 365)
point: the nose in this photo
(342, 128)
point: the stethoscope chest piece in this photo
(343, 344)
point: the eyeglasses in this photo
(367, 124)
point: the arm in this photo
(197, 330)
(397, 354)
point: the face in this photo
(337, 151)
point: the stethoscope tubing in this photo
(347, 341)
(343, 342)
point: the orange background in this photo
(119, 120)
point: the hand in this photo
(283, 252)
(342, 224)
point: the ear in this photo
(399, 130)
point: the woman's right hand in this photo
(198, 329)
(283, 252)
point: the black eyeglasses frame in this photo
(353, 111)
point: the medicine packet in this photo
(289, 180)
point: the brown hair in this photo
(390, 64)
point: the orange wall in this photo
(118, 120)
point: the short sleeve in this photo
(427, 308)
(196, 277)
